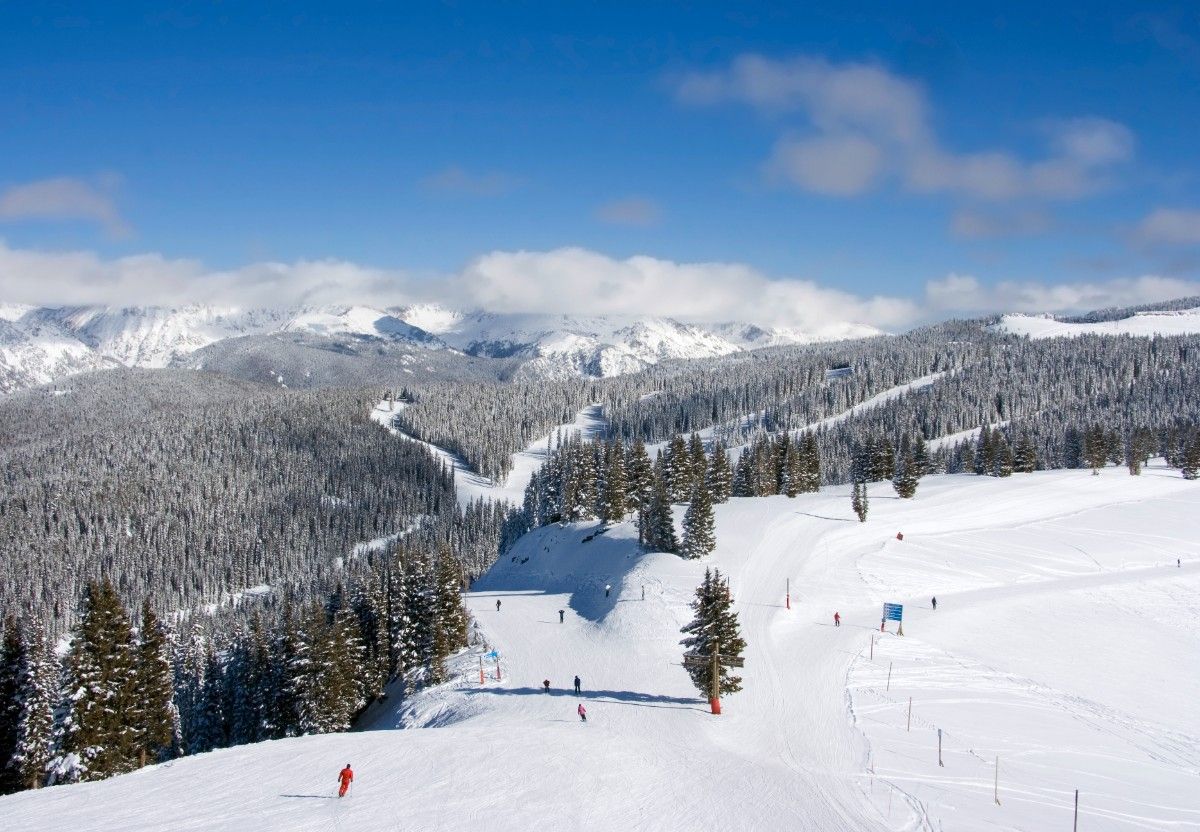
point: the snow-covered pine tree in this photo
(793, 467)
(719, 476)
(697, 462)
(810, 464)
(905, 478)
(615, 485)
(37, 691)
(450, 618)
(657, 523)
(858, 501)
(1095, 447)
(1025, 455)
(985, 456)
(154, 692)
(639, 475)
(677, 474)
(883, 463)
(1189, 464)
(715, 624)
(100, 684)
(742, 486)
(920, 454)
(12, 655)
(699, 532)
(1003, 453)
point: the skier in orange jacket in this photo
(345, 777)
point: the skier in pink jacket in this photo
(582, 712)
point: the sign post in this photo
(713, 661)
(895, 612)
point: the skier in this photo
(546, 684)
(837, 620)
(577, 684)
(607, 589)
(935, 604)
(1178, 563)
(582, 711)
(560, 616)
(497, 605)
(345, 777)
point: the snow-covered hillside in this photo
(1065, 644)
(38, 345)
(1175, 322)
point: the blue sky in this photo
(868, 150)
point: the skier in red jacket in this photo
(582, 711)
(345, 777)
(837, 619)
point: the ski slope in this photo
(1065, 644)
(469, 484)
(1142, 324)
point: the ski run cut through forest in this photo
(1062, 655)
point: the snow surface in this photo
(1179, 322)
(1065, 643)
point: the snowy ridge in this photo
(817, 740)
(1144, 324)
(44, 344)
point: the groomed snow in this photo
(1181, 322)
(1065, 642)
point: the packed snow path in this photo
(1065, 643)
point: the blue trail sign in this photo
(893, 612)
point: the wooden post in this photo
(715, 681)
(1075, 825)
(940, 763)
(481, 670)
(889, 683)
(909, 726)
(996, 788)
(497, 668)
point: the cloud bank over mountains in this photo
(561, 281)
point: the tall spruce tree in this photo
(100, 687)
(905, 478)
(699, 532)
(719, 477)
(858, 501)
(639, 475)
(656, 526)
(451, 622)
(12, 657)
(154, 715)
(37, 693)
(715, 625)
(616, 485)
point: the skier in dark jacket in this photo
(935, 603)
(577, 684)
(560, 616)
(546, 685)
(497, 605)
(345, 777)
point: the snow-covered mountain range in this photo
(39, 345)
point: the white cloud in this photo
(837, 165)
(977, 225)
(565, 281)
(966, 295)
(456, 181)
(65, 198)
(634, 210)
(1170, 225)
(865, 121)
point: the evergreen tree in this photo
(1025, 455)
(920, 455)
(639, 475)
(699, 533)
(12, 656)
(1189, 464)
(656, 524)
(715, 625)
(883, 462)
(810, 464)
(858, 501)
(905, 478)
(1002, 465)
(719, 477)
(697, 463)
(100, 687)
(677, 470)
(154, 716)
(1095, 447)
(615, 485)
(451, 622)
(793, 467)
(37, 691)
